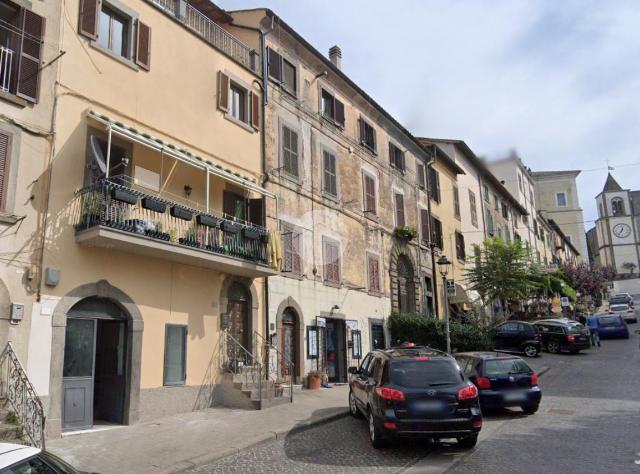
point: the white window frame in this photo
(563, 194)
(132, 17)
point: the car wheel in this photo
(530, 409)
(553, 347)
(468, 442)
(353, 407)
(374, 433)
(530, 350)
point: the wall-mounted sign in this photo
(353, 325)
(312, 342)
(451, 287)
(321, 322)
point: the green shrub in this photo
(432, 332)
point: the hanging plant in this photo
(405, 232)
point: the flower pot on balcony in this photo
(207, 220)
(181, 213)
(405, 233)
(230, 228)
(153, 204)
(88, 220)
(124, 195)
(251, 233)
(189, 242)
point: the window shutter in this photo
(287, 250)
(89, 18)
(255, 111)
(424, 225)
(5, 143)
(143, 46)
(223, 91)
(275, 65)
(392, 160)
(437, 185)
(370, 194)
(362, 132)
(256, 214)
(420, 175)
(30, 55)
(399, 209)
(374, 274)
(339, 108)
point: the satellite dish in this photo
(98, 157)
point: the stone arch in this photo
(254, 303)
(291, 303)
(397, 251)
(135, 326)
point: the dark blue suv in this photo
(414, 392)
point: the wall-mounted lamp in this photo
(187, 190)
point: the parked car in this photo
(624, 310)
(621, 298)
(410, 392)
(502, 381)
(518, 336)
(611, 326)
(563, 335)
(18, 459)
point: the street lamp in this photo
(444, 264)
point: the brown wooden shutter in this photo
(274, 65)
(256, 214)
(31, 43)
(223, 91)
(362, 132)
(374, 274)
(420, 175)
(339, 110)
(437, 176)
(424, 225)
(5, 147)
(89, 18)
(399, 210)
(143, 46)
(255, 111)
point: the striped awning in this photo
(178, 153)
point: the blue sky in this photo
(559, 81)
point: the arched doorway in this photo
(289, 341)
(406, 285)
(96, 364)
(238, 304)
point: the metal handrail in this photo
(230, 362)
(20, 392)
(261, 343)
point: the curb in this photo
(184, 466)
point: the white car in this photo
(19, 459)
(627, 296)
(624, 310)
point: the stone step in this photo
(270, 402)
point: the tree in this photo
(629, 266)
(588, 279)
(502, 271)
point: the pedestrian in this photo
(592, 323)
(581, 319)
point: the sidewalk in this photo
(178, 442)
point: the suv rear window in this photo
(575, 329)
(619, 307)
(495, 367)
(424, 373)
(609, 321)
(619, 300)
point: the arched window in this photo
(617, 206)
(406, 285)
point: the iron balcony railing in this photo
(110, 204)
(211, 32)
(6, 65)
(16, 388)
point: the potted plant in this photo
(404, 232)
(125, 195)
(173, 234)
(153, 204)
(190, 239)
(314, 380)
(91, 210)
(182, 213)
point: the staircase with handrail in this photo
(279, 369)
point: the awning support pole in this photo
(109, 151)
(207, 191)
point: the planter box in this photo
(158, 235)
(181, 213)
(230, 227)
(190, 242)
(124, 195)
(251, 233)
(206, 220)
(154, 204)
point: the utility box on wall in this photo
(17, 312)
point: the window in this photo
(531, 197)
(474, 209)
(436, 233)
(568, 238)
(330, 176)
(234, 206)
(499, 232)
(434, 184)
(600, 211)
(460, 250)
(113, 32)
(507, 234)
(331, 261)
(21, 37)
(496, 202)
(485, 192)
(505, 211)
(33, 465)
(175, 354)
(282, 71)
(489, 222)
(535, 226)
(373, 273)
(520, 182)
(237, 102)
(290, 151)
(377, 336)
(5, 153)
(396, 157)
(369, 185)
(428, 296)
(617, 206)
(291, 247)
(424, 226)
(456, 202)
(332, 108)
(368, 135)
(420, 176)
(399, 200)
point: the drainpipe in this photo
(434, 278)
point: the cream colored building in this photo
(155, 226)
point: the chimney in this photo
(335, 55)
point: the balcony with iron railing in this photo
(112, 213)
(211, 32)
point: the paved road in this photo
(589, 422)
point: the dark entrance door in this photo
(406, 285)
(238, 314)
(336, 350)
(109, 383)
(289, 343)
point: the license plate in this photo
(430, 406)
(514, 397)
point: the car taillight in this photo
(477, 424)
(483, 382)
(390, 393)
(465, 393)
(571, 338)
(534, 380)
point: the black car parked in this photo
(414, 392)
(503, 381)
(563, 335)
(518, 336)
